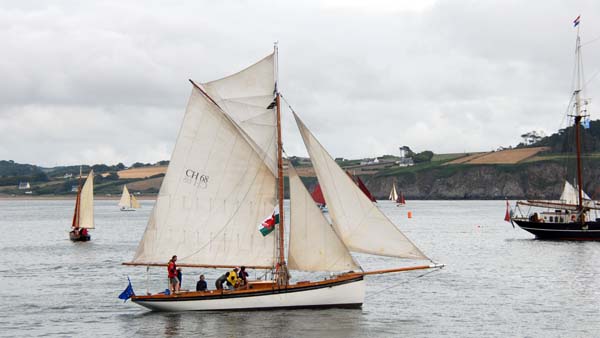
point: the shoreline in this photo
(68, 197)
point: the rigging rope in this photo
(402, 283)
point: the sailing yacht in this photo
(226, 175)
(393, 194)
(575, 215)
(128, 202)
(83, 217)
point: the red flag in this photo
(507, 215)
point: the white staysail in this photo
(393, 194)
(314, 245)
(86, 203)
(246, 97)
(134, 202)
(216, 191)
(125, 201)
(570, 195)
(358, 222)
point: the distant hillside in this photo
(564, 140)
(10, 168)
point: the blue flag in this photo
(128, 292)
(586, 124)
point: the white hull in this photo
(349, 294)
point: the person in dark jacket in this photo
(221, 280)
(242, 276)
(201, 284)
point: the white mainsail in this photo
(86, 203)
(393, 194)
(358, 222)
(216, 191)
(313, 244)
(246, 97)
(125, 201)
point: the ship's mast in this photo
(75, 223)
(579, 114)
(282, 272)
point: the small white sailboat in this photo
(128, 202)
(210, 203)
(393, 194)
(83, 217)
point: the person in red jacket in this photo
(172, 274)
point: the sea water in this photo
(498, 281)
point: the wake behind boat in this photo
(210, 204)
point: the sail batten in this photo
(358, 222)
(314, 245)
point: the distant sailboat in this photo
(317, 195)
(128, 202)
(364, 189)
(226, 175)
(83, 217)
(401, 200)
(393, 194)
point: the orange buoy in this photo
(410, 214)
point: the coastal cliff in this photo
(538, 180)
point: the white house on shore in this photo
(24, 185)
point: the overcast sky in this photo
(106, 81)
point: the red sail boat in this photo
(317, 195)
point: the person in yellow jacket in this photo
(232, 279)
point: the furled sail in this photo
(86, 203)
(358, 222)
(314, 245)
(247, 97)
(216, 191)
(393, 194)
(125, 201)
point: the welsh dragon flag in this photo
(268, 225)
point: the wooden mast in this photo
(282, 272)
(75, 223)
(577, 117)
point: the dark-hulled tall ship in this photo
(574, 216)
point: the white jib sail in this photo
(393, 194)
(86, 203)
(125, 201)
(216, 191)
(570, 195)
(134, 202)
(314, 245)
(358, 222)
(245, 97)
